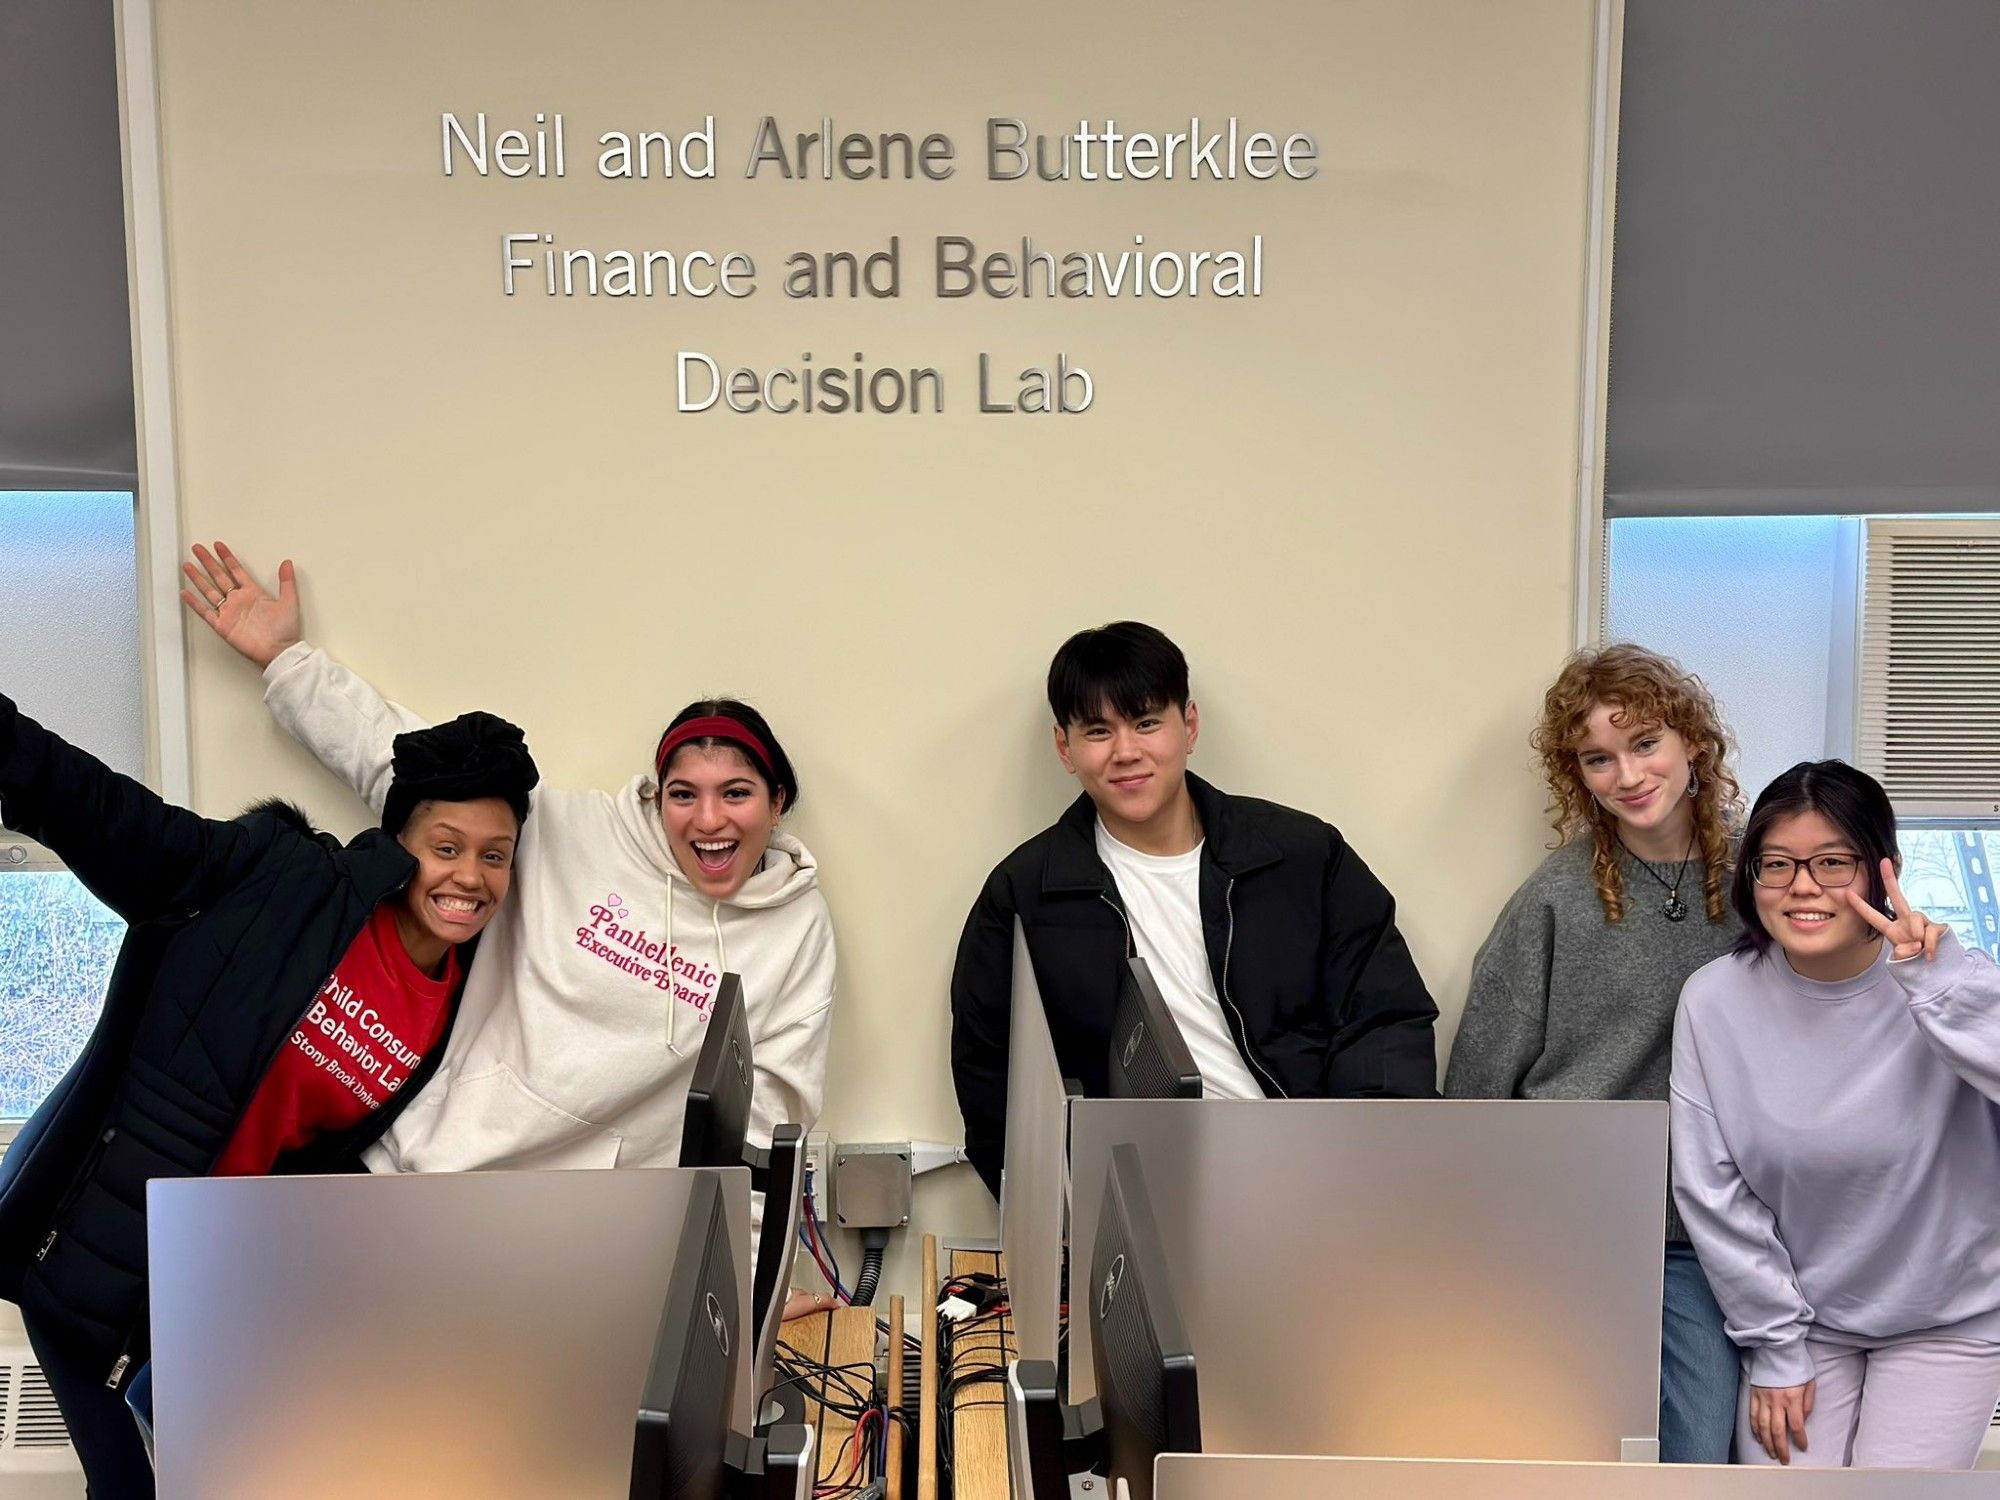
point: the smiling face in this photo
(1134, 770)
(719, 814)
(465, 862)
(1822, 934)
(1639, 774)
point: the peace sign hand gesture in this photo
(1909, 932)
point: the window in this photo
(1769, 610)
(1752, 604)
(1800, 391)
(69, 655)
(60, 944)
(1948, 875)
(70, 639)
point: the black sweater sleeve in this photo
(981, 1018)
(139, 854)
(1383, 1042)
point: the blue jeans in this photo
(1698, 1368)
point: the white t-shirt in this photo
(1162, 896)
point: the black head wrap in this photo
(475, 755)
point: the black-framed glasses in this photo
(1829, 871)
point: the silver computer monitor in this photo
(1220, 1477)
(1034, 1190)
(1150, 1058)
(715, 1122)
(715, 1133)
(684, 1444)
(775, 1248)
(488, 1333)
(1421, 1278)
(1147, 1386)
(1037, 1465)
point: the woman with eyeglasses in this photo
(1573, 992)
(1836, 1129)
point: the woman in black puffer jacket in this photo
(226, 1043)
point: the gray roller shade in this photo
(66, 414)
(1805, 301)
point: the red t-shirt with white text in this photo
(368, 1029)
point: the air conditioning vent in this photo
(1928, 689)
(38, 1422)
(29, 1417)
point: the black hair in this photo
(1852, 801)
(1124, 667)
(779, 779)
(472, 756)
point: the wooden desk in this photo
(979, 1417)
(842, 1336)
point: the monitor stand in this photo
(1054, 1449)
(784, 1406)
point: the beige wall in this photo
(1351, 501)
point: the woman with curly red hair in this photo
(1573, 993)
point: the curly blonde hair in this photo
(1645, 688)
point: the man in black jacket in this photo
(1273, 944)
(221, 1027)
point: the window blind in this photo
(1804, 313)
(66, 412)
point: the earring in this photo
(1694, 781)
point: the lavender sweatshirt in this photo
(1836, 1151)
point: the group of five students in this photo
(1833, 1076)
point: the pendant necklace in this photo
(1676, 909)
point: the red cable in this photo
(823, 1261)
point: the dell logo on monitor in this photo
(716, 1322)
(1137, 1036)
(1109, 1294)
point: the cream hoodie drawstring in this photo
(721, 961)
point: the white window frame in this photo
(163, 644)
(1588, 619)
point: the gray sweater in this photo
(1566, 1005)
(1837, 1152)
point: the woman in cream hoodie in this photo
(583, 1010)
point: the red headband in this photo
(714, 727)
